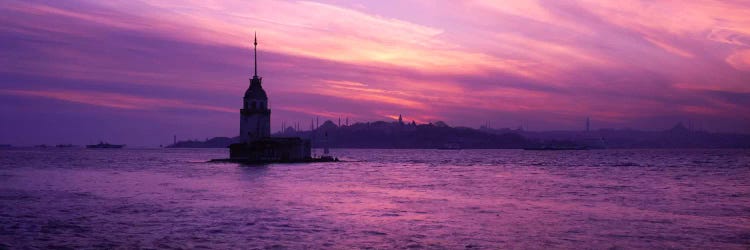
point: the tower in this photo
(255, 116)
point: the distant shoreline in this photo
(395, 135)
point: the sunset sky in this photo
(140, 71)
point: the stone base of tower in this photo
(272, 149)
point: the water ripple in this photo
(415, 199)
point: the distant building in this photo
(256, 143)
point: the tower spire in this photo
(255, 53)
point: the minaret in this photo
(255, 116)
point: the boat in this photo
(105, 145)
(554, 148)
(450, 146)
(324, 158)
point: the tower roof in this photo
(255, 91)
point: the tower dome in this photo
(255, 91)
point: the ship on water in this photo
(105, 145)
(450, 146)
(556, 147)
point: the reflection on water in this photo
(165, 198)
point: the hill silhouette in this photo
(398, 135)
(382, 134)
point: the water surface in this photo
(172, 198)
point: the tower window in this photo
(253, 107)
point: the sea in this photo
(76, 198)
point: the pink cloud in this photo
(670, 48)
(740, 60)
(453, 61)
(361, 92)
(114, 100)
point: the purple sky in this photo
(138, 72)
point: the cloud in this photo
(670, 48)
(340, 34)
(361, 92)
(462, 62)
(114, 100)
(534, 10)
(740, 60)
(679, 18)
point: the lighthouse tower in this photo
(255, 116)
